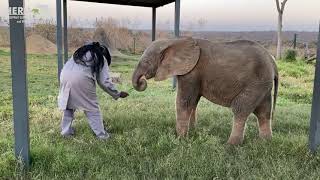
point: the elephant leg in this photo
(242, 106)
(186, 114)
(238, 128)
(186, 104)
(263, 113)
(193, 117)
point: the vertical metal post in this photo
(176, 31)
(19, 81)
(65, 30)
(154, 19)
(59, 37)
(177, 19)
(314, 136)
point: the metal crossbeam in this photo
(142, 3)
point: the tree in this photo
(35, 12)
(46, 29)
(280, 8)
(3, 21)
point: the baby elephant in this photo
(237, 74)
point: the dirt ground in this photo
(36, 44)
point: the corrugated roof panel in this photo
(143, 3)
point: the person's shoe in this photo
(68, 134)
(104, 137)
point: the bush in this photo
(4, 37)
(291, 55)
(46, 29)
(118, 36)
(77, 37)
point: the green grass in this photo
(144, 145)
(4, 53)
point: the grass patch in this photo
(4, 53)
(296, 81)
(144, 145)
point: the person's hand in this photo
(123, 94)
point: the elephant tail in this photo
(275, 95)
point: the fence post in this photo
(295, 40)
(134, 44)
(306, 51)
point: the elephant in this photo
(238, 74)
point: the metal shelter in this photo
(19, 65)
(62, 35)
(19, 68)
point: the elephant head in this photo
(164, 59)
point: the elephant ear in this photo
(179, 58)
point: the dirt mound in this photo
(37, 44)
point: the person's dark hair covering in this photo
(98, 52)
(106, 53)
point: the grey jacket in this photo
(78, 86)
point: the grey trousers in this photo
(94, 119)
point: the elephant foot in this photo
(182, 132)
(266, 136)
(192, 126)
(235, 140)
(265, 132)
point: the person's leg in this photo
(66, 129)
(96, 124)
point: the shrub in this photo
(118, 36)
(45, 28)
(290, 55)
(78, 37)
(4, 37)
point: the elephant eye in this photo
(148, 63)
(161, 56)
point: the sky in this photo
(219, 15)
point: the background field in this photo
(143, 143)
(120, 37)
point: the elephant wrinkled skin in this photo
(238, 74)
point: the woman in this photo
(89, 64)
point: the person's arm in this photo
(105, 82)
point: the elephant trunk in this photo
(139, 81)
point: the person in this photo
(88, 65)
